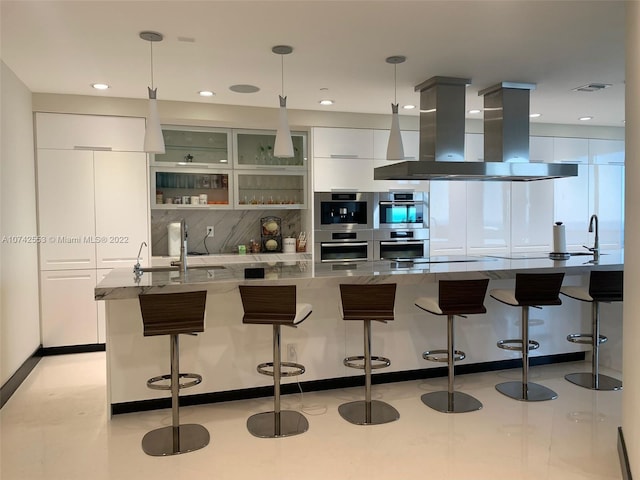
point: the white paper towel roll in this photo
(559, 239)
(173, 236)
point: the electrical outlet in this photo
(291, 352)
(210, 231)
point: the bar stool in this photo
(275, 305)
(455, 297)
(604, 286)
(532, 290)
(174, 314)
(367, 303)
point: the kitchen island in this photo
(227, 353)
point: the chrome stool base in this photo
(455, 402)
(594, 382)
(175, 440)
(266, 424)
(526, 392)
(356, 412)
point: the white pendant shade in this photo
(395, 150)
(153, 139)
(283, 146)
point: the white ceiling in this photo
(64, 46)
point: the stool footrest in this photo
(267, 369)
(196, 379)
(585, 338)
(516, 344)
(354, 362)
(443, 355)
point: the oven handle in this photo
(342, 244)
(403, 242)
(398, 202)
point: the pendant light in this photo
(153, 140)
(283, 146)
(395, 151)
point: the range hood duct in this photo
(506, 137)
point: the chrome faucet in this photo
(137, 268)
(593, 226)
(182, 263)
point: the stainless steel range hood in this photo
(506, 137)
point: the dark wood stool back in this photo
(173, 313)
(368, 302)
(462, 297)
(535, 289)
(268, 304)
(606, 286)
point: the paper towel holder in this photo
(559, 255)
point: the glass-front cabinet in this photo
(254, 149)
(189, 188)
(278, 188)
(207, 147)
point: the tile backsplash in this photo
(231, 228)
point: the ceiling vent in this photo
(592, 87)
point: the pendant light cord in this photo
(395, 83)
(282, 75)
(151, 45)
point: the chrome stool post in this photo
(455, 297)
(367, 303)
(275, 305)
(531, 290)
(174, 314)
(604, 286)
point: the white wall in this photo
(19, 312)
(631, 304)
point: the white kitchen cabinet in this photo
(541, 149)
(65, 131)
(532, 216)
(410, 145)
(448, 218)
(343, 174)
(197, 146)
(606, 151)
(606, 185)
(121, 208)
(488, 217)
(66, 209)
(101, 307)
(571, 207)
(570, 150)
(67, 307)
(473, 147)
(345, 143)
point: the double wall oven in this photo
(362, 226)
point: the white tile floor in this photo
(56, 427)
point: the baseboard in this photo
(11, 385)
(66, 350)
(340, 382)
(625, 468)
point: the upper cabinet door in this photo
(473, 147)
(532, 216)
(200, 147)
(570, 150)
(342, 143)
(410, 144)
(66, 210)
(606, 151)
(121, 208)
(541, 149)
(89, 132)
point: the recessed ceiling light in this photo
(584, 119)
(408, 107)
(206, 93)
(475, 110)
(241, 88)
(100, 86)
(535, 115)
(326, 102)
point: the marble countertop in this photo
(227, 271)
